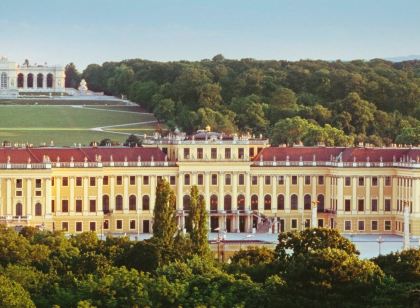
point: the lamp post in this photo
(380, 241)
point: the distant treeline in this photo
(336, 103)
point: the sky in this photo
(95, 31)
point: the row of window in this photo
(106, 224)
(374, 225)
(373, 205)
(214, 153)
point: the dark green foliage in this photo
(366, 101)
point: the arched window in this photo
(119, 203)
(50, 80)
(213, 203)
(267, 202)
(280, 202)
(20, 81)
(38, 209)
(40, 81)
(307, 202)
(132, 203)
(19, 209)
(3, 81)
(228, 203)
(241, 202)
(105, 204)
(254, 203)
(146, 203)
(30, 80)
(294, 202)
(186, 203)
(321, 203)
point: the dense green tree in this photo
(13, 295)
(199, 224)
(73, 76)
(133, 141)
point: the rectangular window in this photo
(186, 153)
(228, 179)
(119, 180)
(251, 152)
(92, 226)
(307, 223)
(78, 181)
(347, 181)
(374, 225)
(38, 193)
(294, 224)
(52, 181)
(119, 224)
(374, 181)
(321, 180)
(227, 153)
(387, 205)
(65, 206)
(387, 181)
(294, 180)
(18, 183)
(213, 153)
(132, 224)
(321, 223)
(186, 179)
(214, 179)
(172, 180)
(241, 179)
(38, 183)
(79, 206)
(92, 181)
(374, 205)
(241, 153)
(200, 179)
(106, 224)
(53, 206)
(79, 226)
(361, 181)
(200, 153)
(281, 180)
(347, 225)
(65, 181)
(146, 180)
(361, 225)
(254, 180)
(347, 205)
(132, 180)
(307, 180)
(267, 180)
(387, 225)
(361, 205)
(65, 226)
(146, 226)
(105, 181)
(18, 193)
(92, 206)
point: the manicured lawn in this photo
(66, 125)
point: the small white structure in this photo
(15, 79)
(83, 86)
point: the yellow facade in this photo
(242, 189)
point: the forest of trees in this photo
(314, 267)
(336, 103)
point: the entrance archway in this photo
(30, 80)
(40, 81)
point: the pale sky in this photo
(94, 31)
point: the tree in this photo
(164, 225)
(165, 109)
(132, 141)
(199, 224)
(143, 256)
(73, 77)
(13, 295)
(290, 131)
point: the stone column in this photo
(72, 199)
(287, 193)
(274, 194)
(48, 198)
(221, 199)
(57, 194)
(125, 194)
(381, 195)
(406, 226)
(354, 194)
(207, 190)
(340, 194)
(300, 194)
(28, 197)
(112, 193)
(9, 211)
(140, 197)
(314, 216)
(234, 191)
(85, 196)
(99, 183)
(368, 208)
(44, 82)
(180, 196)
(395, 195)
(327, 200)
(261, 182)
(416, 197)
(153, 184)
(25, 81)
(247, 191)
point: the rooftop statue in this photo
(83, 86)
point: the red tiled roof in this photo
(119, 154)
(342, 154)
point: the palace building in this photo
(247, 185)
(25, 78)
